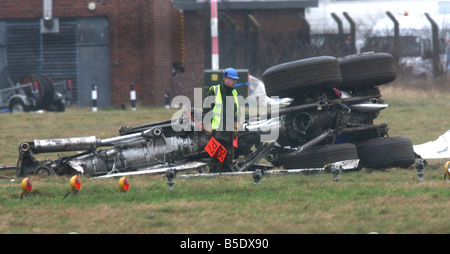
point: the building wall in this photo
(160, 45)
(140, 41)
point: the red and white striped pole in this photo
(133, 96)
(214, 36)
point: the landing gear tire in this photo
(366, 70)
(386, 152)
(296, 77)
(318, 157)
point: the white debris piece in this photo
(437, 149)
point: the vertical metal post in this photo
(214, 36)
(234, 43)
(396, 53)
(339, 23)
(306, 28)
(167, 100)
(253, 63)
(47, 15)
(341, 39)
(133, 96)
(352, 32)
(435, 41)
(94, 97)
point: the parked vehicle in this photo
(328, 118)
(32, 92)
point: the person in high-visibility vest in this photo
(220, 132)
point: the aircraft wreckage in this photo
(327, 116)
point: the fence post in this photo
(167, 100)
(341, 38)
(435, 42)
(396, 53)
(352, 32)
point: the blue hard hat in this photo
(230, 73)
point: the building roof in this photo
(246, 4)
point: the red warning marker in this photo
(124, 184)
(26, 188)
(75, 185)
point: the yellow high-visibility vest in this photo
(217, 110)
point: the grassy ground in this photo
(363, 201)
(417, 109)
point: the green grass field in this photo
(387, 202)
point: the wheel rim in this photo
(17, 107)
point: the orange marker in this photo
(26, 187)
(124, 184)
(75, 185)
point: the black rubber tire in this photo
(292, 78)
(48, 88)
(366, 69)
(45, 89)
(16, 106)
(318, 157)
(387, 152)
(44, 171)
